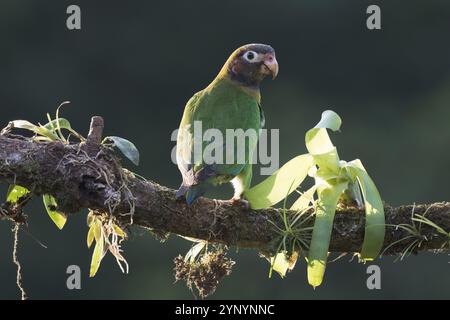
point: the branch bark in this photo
(89, 175)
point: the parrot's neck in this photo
(225, 76)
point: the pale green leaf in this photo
(58, 123)
(305, 200)
(375, 220)
(15, 192)
(280, 184)
(319, 143)
(330, 120)
(51, 206)
(40, 130)
(328, 197)
(128, 149)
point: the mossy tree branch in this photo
(89, 175)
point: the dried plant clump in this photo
(206, 273)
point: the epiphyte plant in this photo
(102, 227)
(335, 181)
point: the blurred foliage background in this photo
(136, 63)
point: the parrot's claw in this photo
(239, 202)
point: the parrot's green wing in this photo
(228, 109)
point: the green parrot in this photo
(230, 101)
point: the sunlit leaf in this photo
(281, 263)
(40, 130)
(375, 221)
(195, 251)
(90, 218)
(328, 196)
(128, 149)
(98, 230)
(280, 184)
(305, 200)
(91, 235)
(319, 144)
(15, 193)
(51, 206)
(97, 257)
(61, 123)
(119, 231)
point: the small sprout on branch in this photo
(415, 238)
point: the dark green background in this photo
(136, 63)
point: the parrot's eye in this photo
(250, 56)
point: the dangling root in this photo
(17, 263)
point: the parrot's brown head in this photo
(251, 63)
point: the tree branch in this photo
(89, 175)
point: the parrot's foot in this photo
(239, 202)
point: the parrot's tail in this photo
(190, 193)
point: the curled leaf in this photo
(319, 144)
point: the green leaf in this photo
(424, 220)
(15, 192)
(51, 206)
(97, 257)
(280, 184)
(40, 130)
(375, 220)
(58, 123)
(328, 196)
(128, 149)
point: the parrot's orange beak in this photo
(271, 63)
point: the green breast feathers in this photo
(219, 131)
